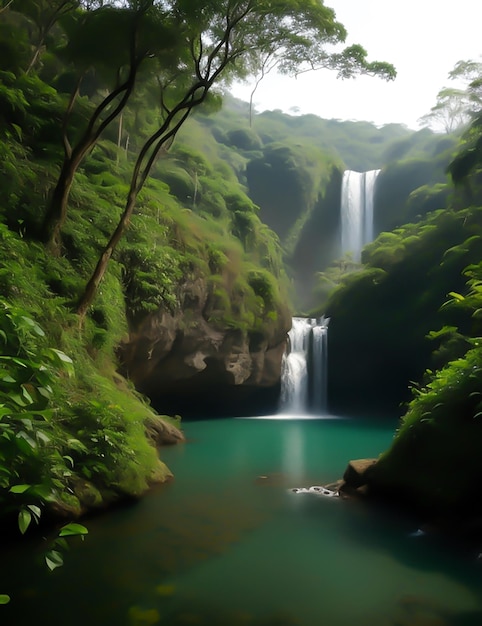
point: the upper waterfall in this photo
(357, 192)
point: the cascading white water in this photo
(304, 367)
(357, 193)
(294, 369)
(319, 359)
(370, 181)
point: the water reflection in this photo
(226, 543)
(294, 451)
(293, 416)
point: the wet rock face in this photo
(187, 365)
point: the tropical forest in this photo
(240, 349)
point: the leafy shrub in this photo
(244, 139)
(33, 459)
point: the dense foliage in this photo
(382, 314)
(441, 430)
(292, 167)
(411, 317)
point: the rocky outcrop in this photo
(162, 433)
(188, 364)
(369, 480)
(356, 472)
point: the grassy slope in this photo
(76, 437)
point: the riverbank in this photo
(364, 480)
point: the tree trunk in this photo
(101, 267)
(119, 138)
(57, 211)
(148, 156)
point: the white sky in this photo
(422, 38)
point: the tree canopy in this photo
(456, 106)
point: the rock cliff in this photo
(189, 363)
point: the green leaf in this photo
(76, 445)
(22, 436)
(19, 488)
(17, 399)
(33, 325)
(62, 360)
(62, 356)
(4, 599)
(25, 446)
(43, 437)
(26, 395)
(18, 130)
(54, 559)
(13, 360)
(73, 529)
(45, 392)
(456, 296)
(24, 519)
(6, 378)
(35, 510)
(61, 544)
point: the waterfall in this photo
(319, 358)
(357, 193)
(294, 367)
(304, 367)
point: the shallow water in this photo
(228, 543)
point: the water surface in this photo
(228, 543)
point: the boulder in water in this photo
(356, 473)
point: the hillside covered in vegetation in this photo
(405, 339)
(292, 166)
(196, 259)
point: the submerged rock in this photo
(317, 490)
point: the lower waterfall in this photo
(304, 367)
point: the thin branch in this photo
(44, 29)
(68, 112)
(224, 42)
(126, 87)
(164, 128)
(164, 108)
(198, 59)
(264, 72)
(162, 140)
(6, 6)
